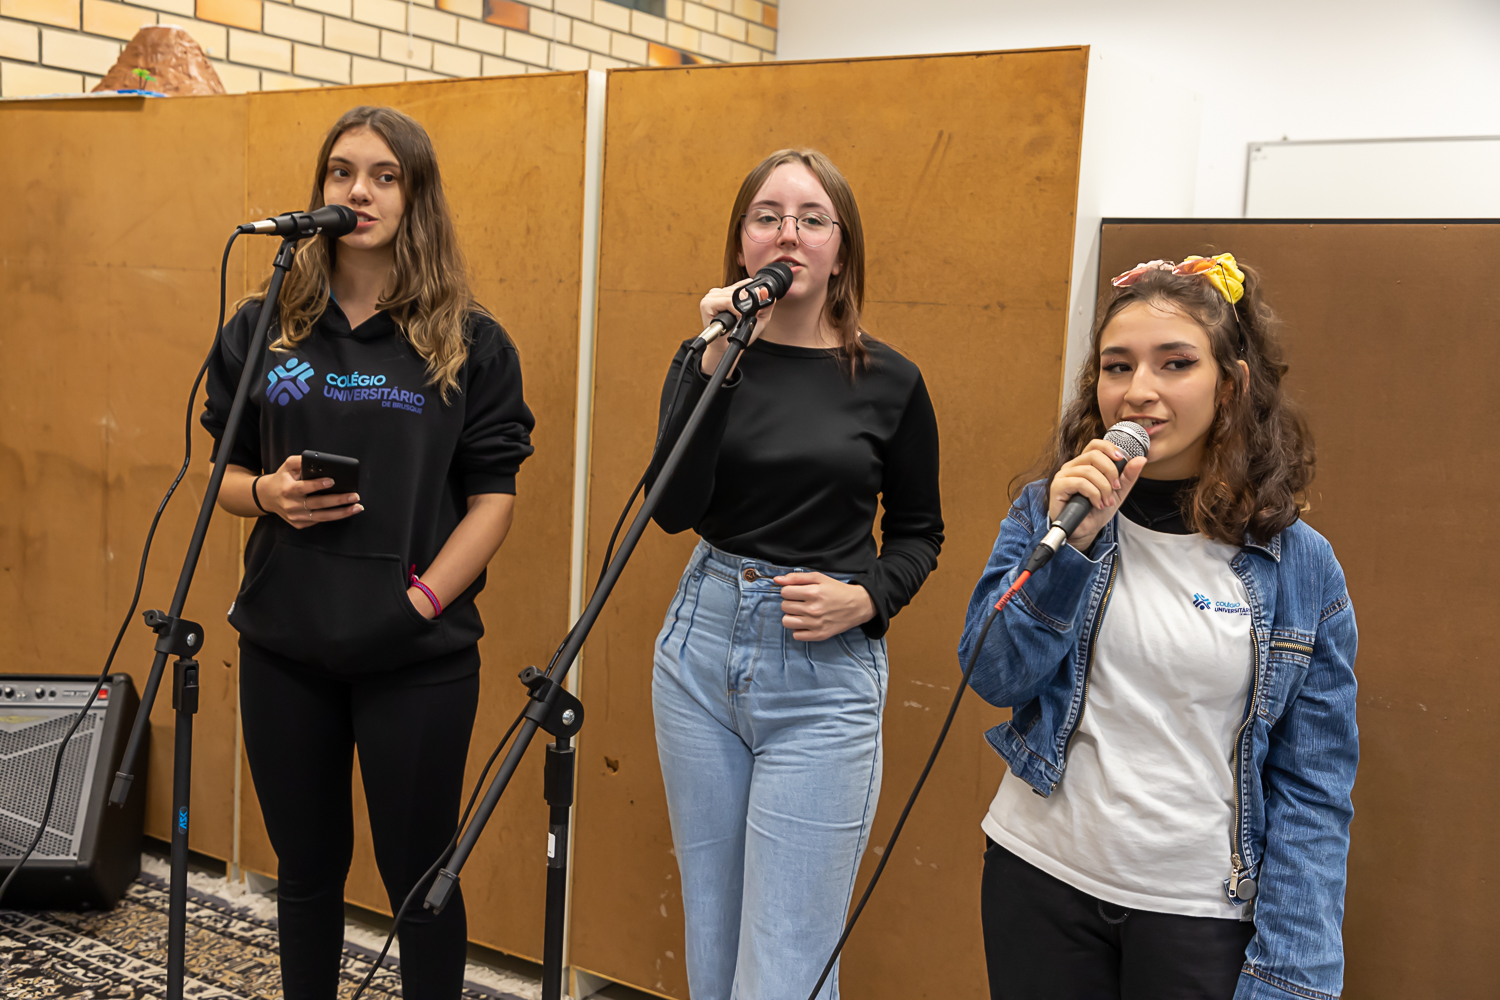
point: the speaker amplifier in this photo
(89, 853)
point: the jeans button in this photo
(750, 575)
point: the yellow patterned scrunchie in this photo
(1221, 270)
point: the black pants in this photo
(1045, 940)
(301, 728)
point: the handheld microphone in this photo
(333, 220)
(1129, 437)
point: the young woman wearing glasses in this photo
(770, 670)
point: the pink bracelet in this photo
(437, 606)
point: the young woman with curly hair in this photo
(1182, 745)
(356, 616)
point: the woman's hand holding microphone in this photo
(1093, 476)
(722, 300)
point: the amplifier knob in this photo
(10, 692)
(41, 692)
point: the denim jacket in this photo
(1294, 755)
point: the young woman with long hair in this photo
(770, 670)
(1182, 745)
(356, 617)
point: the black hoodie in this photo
(334, 594)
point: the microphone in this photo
(332, 220)
(771, 283)
(1129, 437)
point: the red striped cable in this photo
(1005, 598)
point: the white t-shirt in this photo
(1142, 817)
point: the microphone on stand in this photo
(771, 283)
(332, 220)
(1129, 437)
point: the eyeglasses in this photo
(813, 228)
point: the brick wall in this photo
(65, 46)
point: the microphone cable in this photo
(890, 847)
(442, 859)
(693, 350)
(140, 579)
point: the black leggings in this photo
(301, 728)
(1045, 940)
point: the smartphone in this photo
(342, 470)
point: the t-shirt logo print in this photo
(1204, 603)
(288, 381)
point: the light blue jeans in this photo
(770, 749)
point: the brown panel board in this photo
(1393, 345)
(511, 153)
(117, 220)
(966, 172)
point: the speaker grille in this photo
(28, 740)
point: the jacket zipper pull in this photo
(1242, 889)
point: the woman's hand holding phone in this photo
(285, 494)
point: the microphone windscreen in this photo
(780, 275)
(1130, 437)
(335, 220)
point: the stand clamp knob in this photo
(174, 636)
(552, 707)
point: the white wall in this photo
(1177, 90)
(1452, 178)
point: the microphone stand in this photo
(179, 637)
(560, 714)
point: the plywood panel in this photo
(965, 168)
(511, 154)
(1393, 342)
(117, 219)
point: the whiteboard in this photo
(1457, 178)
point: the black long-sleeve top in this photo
(793, 457)
(334, 594)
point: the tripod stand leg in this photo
(185, 701)
(558, 782)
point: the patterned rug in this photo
(121, 954)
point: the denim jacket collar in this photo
(1271, 548)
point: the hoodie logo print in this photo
(288, 381)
